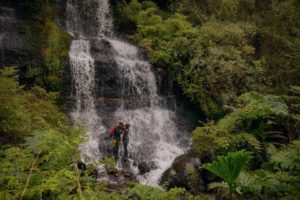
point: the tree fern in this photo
(255, 114)
(193, 179)
(288, 158)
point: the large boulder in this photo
(143, 167)
(92, 170)
(183, 173)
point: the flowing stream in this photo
(154, 136)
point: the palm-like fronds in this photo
(229, 167)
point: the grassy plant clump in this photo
(110, 164)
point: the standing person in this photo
(116, 138)
(125, 140)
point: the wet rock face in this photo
(108, 86)
(107, 80)
(10, 39)
(13, 14)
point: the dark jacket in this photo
(117, 134)
(125, 138)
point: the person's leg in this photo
(117, 150)
(125, 144)
(114, 145)
(114, 151)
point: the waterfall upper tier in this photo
(89, 19)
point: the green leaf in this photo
(229, 167)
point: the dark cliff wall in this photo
(10, 37)
(32, 38)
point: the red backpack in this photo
(112, 130)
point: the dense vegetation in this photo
(39, 151)
(218, 49)
(238, 60)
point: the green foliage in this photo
(55, 53)
(293, 102)
(261, 183)
(194, 179)
(124, 13)
(252, 125)
(148, 193)
(46, 46)
(50, 177)
(13, 121)
(47, 144)
(22, 112)
(254, 106)
(287, 159)
(229, 167)
(190, 55)
(279, 178)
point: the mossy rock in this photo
(110, 165)
(178, 174)
(92, 170)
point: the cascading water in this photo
(83, 73)
(154, 136)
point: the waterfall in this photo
(83, 73)
(154, 136)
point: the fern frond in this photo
(193, 179)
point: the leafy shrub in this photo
(148, 193)
(194, 180)
(55, 54)
(40, 165)
(46, 46)
(293, 102)
(247, 126)
(229, 167)
(22, 112)
(279, 177)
